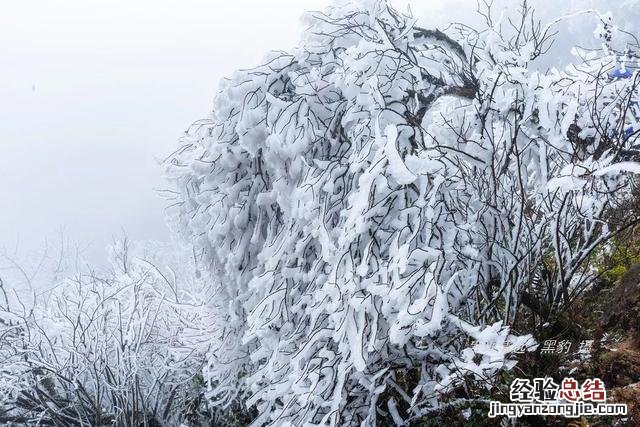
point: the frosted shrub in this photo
(124, 347)
(378, 200)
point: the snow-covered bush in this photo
(373, 206)
(125, 347)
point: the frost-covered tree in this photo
(124, 347)
(373, 207)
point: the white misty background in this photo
(93, 92)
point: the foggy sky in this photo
(93, 92)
